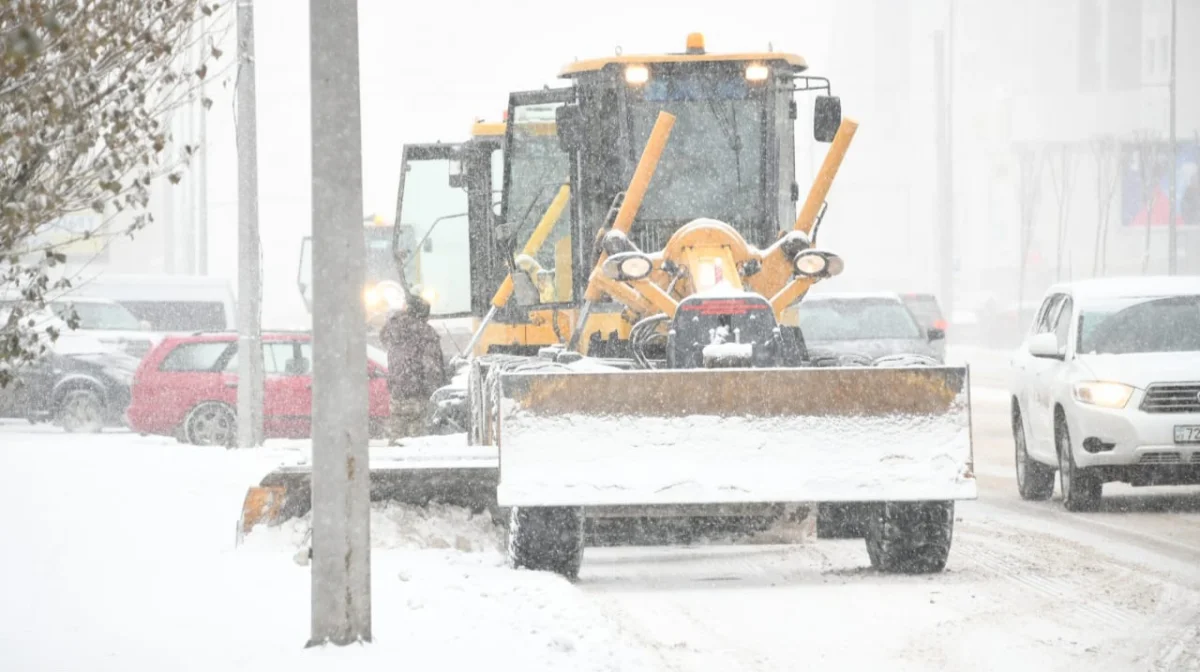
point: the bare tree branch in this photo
(85, 90)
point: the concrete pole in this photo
(1173, 171)
(250, 355)
(341, 548)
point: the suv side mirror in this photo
(935, 334)
(1045, 345)
(827, 118)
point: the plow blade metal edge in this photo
(286, 492)
(725, 436)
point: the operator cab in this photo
(730, 155)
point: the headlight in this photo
(371, 296)
(637, 74)
(392, 294)
(430, 295)
(810, 263)
(1107, 395)
(628, 266)
(757, 73)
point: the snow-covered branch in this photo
(85, 87)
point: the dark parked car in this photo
(861, 328)
(79, 384)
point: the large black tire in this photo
(1035, 481)
(546, 538)
(910, 537)
(1081, 489)
(843, 520)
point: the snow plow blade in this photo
(468, 481)
(734, 436)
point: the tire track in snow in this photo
(1060, 592)
(1181, 652)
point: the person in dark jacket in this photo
(415, 368)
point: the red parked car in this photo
(186, 387)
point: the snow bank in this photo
(127, 562)
(397, 526)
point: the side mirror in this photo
(827, 118)
(457, 179)
(935, 334)
(568, 120)
(1045, 345)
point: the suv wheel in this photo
(1035, 481)
(81, 411)
(1080, 488)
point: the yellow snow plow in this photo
(680, 386)
(732, 413)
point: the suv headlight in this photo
(1104, 394)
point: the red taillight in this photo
(940, 324)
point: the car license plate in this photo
(1187, 433)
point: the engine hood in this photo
(1142, 369)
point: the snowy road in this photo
(120, 557)
(1029, 586)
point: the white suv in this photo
(1106, 387)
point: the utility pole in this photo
(341, 538)
(945, 202)
(250, 355)
(1172, 169)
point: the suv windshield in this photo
(1169, 324)
(856, 320)
(712, 164)
(97, 315)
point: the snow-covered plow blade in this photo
(721, 436)
(892, 444)
(397, 475)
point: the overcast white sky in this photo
(427, 71)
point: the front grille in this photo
(1172, 398)
(1160, 458)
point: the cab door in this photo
(433, 202)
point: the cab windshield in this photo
(381, 265)
(712, 165)
(537, 169)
